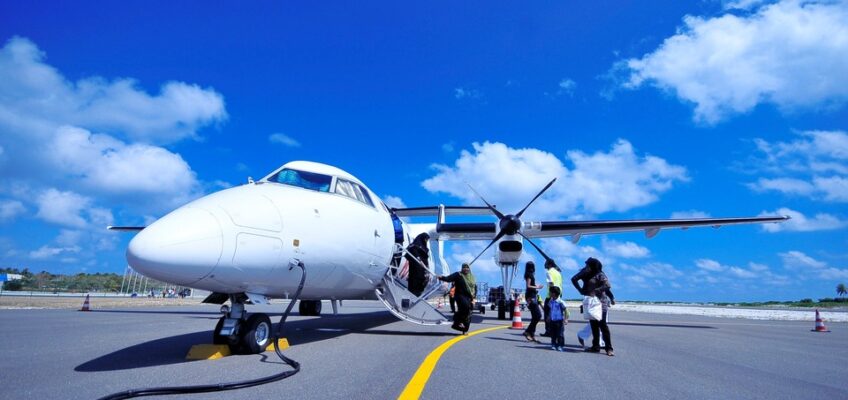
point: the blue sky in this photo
(117, 112)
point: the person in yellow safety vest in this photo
(554, 278)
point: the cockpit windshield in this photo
(303, 179)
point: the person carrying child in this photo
(558, 318)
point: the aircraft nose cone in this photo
(181, 247)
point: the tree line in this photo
(47, 282)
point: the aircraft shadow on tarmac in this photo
(173, 349)
(213, 313)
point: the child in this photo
(559, 318)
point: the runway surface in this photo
(365, 353)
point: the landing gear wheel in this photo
(217, 338)
(257, 334)
(309, 307)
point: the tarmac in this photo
(366, 353)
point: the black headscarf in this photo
(594, 264)
(421, 240)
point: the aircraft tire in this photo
(257, 333)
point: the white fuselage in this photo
(243, 240)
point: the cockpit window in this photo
(354, 191)
(303, 179)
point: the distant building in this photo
(10, 277)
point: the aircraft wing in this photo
(575, 229)
(125, 228)
(435, 210)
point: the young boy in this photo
(559, 318)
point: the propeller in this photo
(510, 224)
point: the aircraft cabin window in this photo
(303, 179)
(354, 191)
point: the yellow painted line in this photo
(422, 375)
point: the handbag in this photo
(592, 308)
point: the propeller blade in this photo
(534, 199)
(494, 210)
(497, 237)
(539, 249)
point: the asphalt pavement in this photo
(365, 353)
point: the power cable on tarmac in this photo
(219, 387)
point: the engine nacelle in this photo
(510, 248)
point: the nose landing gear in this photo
(250, 335)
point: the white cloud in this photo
(47, 252)
(463, 252)
(394, 202)
(834, 188)
(800, 223)
(742, 273)
(758, 267)
(68, 237)
(106, 165)
(797, 260)
(63, 208)
(742, 4)
(810, 267)
(793, 54)
(567, 87)
(35, 92)
(814, 166)
(614, 181)
(709, 265)
(624, 249)
(283, 139)
(463, 93)
(689, 214)
(46, 125)
(833, 273)
(653, 270)
(784, 185)
(9, 209)
(714, 272)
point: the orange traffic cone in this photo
(516, 317)
(819, 324)
(85, 304)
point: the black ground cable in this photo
(219, 387)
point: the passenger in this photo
(466, 292)
(596, 283)
(554, 278)
(559, 318)
(587, 330)
(531, 295)
(418, 256)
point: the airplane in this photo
(242, 243)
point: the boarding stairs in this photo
(394, 294)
